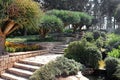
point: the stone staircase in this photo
(59, 49)
(23, 69)
(20, 71)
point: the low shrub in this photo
(112, 39)
(89, 37)
(111, 64)
(18, 47)
(84, 52)
(99, 43)
(103, 35)
(96, 34)
(114, 53)
(116, 74)
(92, 57)
(60, 67)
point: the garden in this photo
(90, 28)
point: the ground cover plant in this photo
(60, 67)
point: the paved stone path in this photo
(43, 59)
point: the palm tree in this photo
(16, 14)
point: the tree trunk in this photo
(2, 44)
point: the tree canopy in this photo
(48, 24)
(77, 19)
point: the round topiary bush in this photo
(84, 52)
(92, 56)
(111, 64)
(60, 67)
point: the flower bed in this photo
(19, 47)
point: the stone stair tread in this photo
(21, 71)
(57, 49)
(9, 76)
(34, 63)
(62, 46)
(57, 52)
(26, 66)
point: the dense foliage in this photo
(68, 17)
(84, 52)
(114, 53)
(60, 67)
(116, 74)
(15, 14)
(48, 24)
(77, 19)
(111, 64)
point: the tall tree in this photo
(108, 8)
(15, 14)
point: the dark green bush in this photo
(111, 64)
(92, 56)
(89, 37)
(96, 34)
(100, 43)
(84, 52)
(103, 34)
(116, 74)
(60, 67)
(48, 24)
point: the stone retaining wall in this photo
(7, 61)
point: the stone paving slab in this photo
(43, 59)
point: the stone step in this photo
(60, 46)
(63, 45)
(20, 72)
(30, 63)
(26, 67)
(8, 76)
(57, 52)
